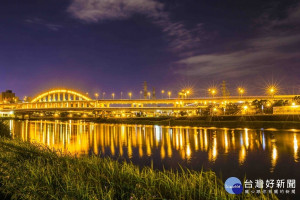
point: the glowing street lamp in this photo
(121, 95)
(188, 93)
(272, 90)
(169, 94)
(103, 95)
(130, 94)
(212, 91)
(96, 95)
(149, 94)
(241, 91)
(141, 92)
(162, 93)
(113, 95)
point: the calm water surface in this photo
(256, 153)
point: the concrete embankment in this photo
(258, 121)
(226, 121)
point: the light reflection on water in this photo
(244, 150)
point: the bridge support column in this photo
(54, 97)
(44, 99)
(64, 96)
(69, 97)
(74, 97)
(58, 96)
(49, 97)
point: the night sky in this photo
(116, 45)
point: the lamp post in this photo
(149, 94)
(169, 94)
(130, 94)
(121, 95)
(162, 94)
(96, 95)
(141, 92)
(212, 91)
(187, 93)
(272, 91)
(113, 95)
(241, 91)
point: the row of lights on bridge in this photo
(130, 94)
(185, 93)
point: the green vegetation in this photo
(31, 171)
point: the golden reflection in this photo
(226, 140)
(196, 141)
(162, 152)
(246, 138)
(295, 148)
(188, 151)
(242, 155)
(274, 157)
(233, 139)
(129, 149)
(212, 152)
(205, 140)
(169, 145)
(79, 137)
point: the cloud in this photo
(275, 47)
(92, 11)
(43, 23)
(99, 10)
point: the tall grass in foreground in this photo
(30, 171)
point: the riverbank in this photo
(31, 171)
(254, 122)
(226, 121)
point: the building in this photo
(7, 96)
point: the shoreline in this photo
(202, 123)
(248, 121)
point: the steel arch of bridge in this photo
(60, 95)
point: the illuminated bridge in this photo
(63, 102)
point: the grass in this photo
(31, 171)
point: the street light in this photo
(141, 92)
(212, 91)
(130, 94)
(103, 95)
(149, 94)
(187, 93)
(121, 95)
(162, 94)
(272, 90)
(169, 94)
(113, 95)
(241, 91)
(96, 95)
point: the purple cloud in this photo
(266, 51)
(93, 11)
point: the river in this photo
(254, 153)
